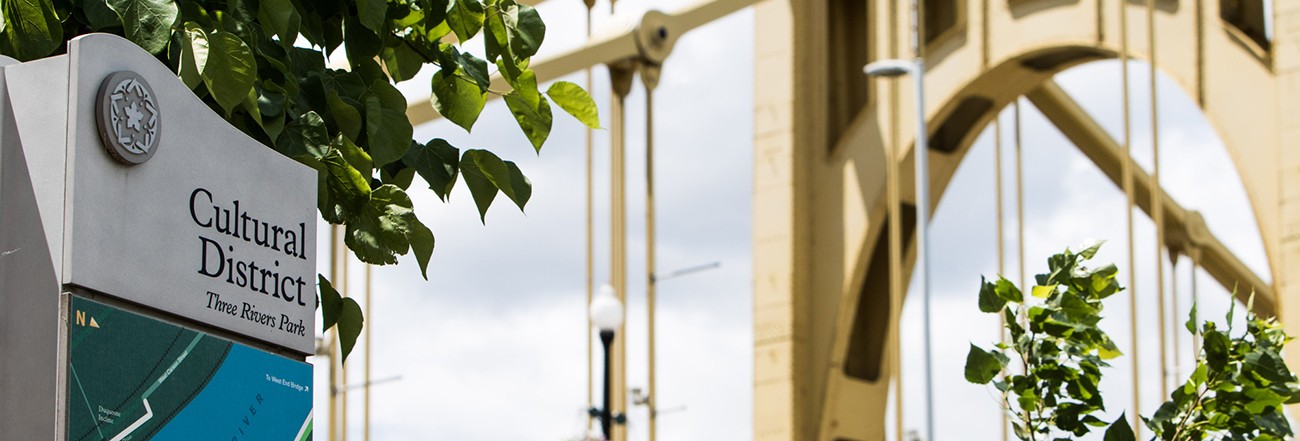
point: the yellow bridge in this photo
(834, 203)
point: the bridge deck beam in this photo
(1183, 232)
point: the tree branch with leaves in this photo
(1238, 388)
(1057, 343)
(261, 65)
(1236, 392)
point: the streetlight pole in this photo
(606, 338)
(920, 153)
(607, 315)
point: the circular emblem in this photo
(129, 122)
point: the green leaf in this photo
(404, 17)
(576, 102)
(270, 99)
(305, 139)
(386, 228)
(485, 173)
(1165, 413)
(1007, 290)
(1027, 400)
(250, 105)
(1267, 366)
(331, 304)
(194, 55)
(1043, 292)
(148, 23)
(237, 15)
(475, 68)
(522, 79)
(387, 128)
(1191, 320)
(457, 99)
(347, 189)
(349, 85)
(402, 62)
(535, 121)
(378, 235)
(526, 31)
(1090, 249)
(436, 15)
(1216, 350)
(422, 242)
(356, 157)
(100, 17)
(981, 366)
(402, 178)
(496, 40)
(1272, 423)
(350, 324)
(361, 43)
(521, 186)
(438, 162)
(480, 186)
(1250, 302)
(230, 70)
(1232, 307)
(347, 117)
(1120, 430)
(31, 29)
(988, 300)
(1077, 309)
(1107, 350)
(371, 13)
(1199, 376)
(281, 17)
(465, 18)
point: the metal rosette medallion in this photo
(129, 121)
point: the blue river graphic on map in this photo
(231, 404)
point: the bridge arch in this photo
(823, 315)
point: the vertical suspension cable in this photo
(1196, 266)
(1173, 312)
(621, 74)
(369, 330)
(650, 79)
(1157, 205)
(1020, 198)
(895, 267)
(333, 340)
(1002, 261)
(621, 85)
(894, 197)
(343, 369)
(1020, 206)
(1126, 181)
(591, 273)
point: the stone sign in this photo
(215, 227)
(134, 211)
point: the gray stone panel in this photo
(29, 302)
(148, 233)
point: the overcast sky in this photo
(492, 346)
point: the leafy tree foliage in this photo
(261, 64)
(1236, 391)
(1057, 344)
(1238, 388)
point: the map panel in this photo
(135, 378)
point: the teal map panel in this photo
(135, 378)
